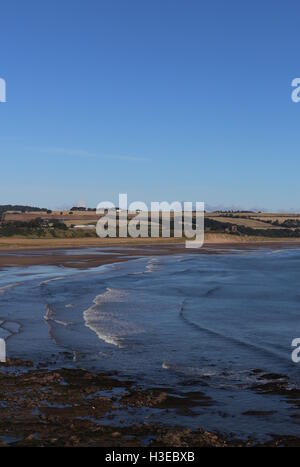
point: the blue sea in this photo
(214, 323)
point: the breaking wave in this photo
(104, 318)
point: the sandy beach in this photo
(30, 252)
(17, 242)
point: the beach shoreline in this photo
(62, 404)
(31, 252)
(19, 242)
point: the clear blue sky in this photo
(162, 99)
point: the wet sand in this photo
(67, 255)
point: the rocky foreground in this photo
(72, 407)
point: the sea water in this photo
(209, 323)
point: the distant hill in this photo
(21, 208)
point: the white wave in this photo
(152, 265)
(107, 321)
(53, 279)
(7, 287)
(50, 316)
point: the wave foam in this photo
(50, 316)
(107, 321)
